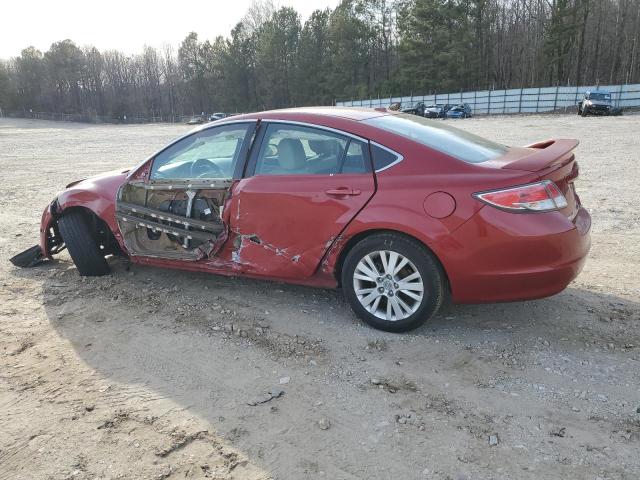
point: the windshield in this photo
(440, 136)
(599, 96)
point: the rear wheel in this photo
(392, 282)
(81, 243)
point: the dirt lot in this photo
(148, 374)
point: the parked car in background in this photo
(447, 107)
(478, 222)
(435, 111)
(414, 108)
(217, 116)
(597, 102)
(462, 110)
(195, 120)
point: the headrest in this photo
(291, 154)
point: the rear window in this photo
(440, 136)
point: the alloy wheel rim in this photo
(388, 285)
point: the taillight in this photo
(535, 197)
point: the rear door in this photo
(303, 185)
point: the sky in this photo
(123, 25)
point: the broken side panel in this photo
(180, 221)
(281, 226)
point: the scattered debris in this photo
(403, 418)
(393, 386)
(558, 432)
(324, 424)
(266, 398)
(285, 380)
(493, 440)
(378, 344)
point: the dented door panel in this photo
(281, 226)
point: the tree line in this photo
(360, 49)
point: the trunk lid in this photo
(540, 155)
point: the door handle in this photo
(342, 191)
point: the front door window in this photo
(210, 153)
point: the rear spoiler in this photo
(547, 153)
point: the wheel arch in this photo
(97, 203)
(90, 214)
(100, 227)
(355, 239)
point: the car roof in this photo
(349, 113)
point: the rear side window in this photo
(300, 150)
(440, 136)
(382, 158)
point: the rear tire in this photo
(385, 287)
(82, 246)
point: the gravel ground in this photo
(153, 374)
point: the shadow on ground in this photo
(216, 344)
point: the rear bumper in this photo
(503, 256)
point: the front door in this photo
(302, 187)
(175, 211)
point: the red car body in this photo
(306, 225)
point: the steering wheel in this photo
(205, 168)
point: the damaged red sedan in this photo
(400, 211)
